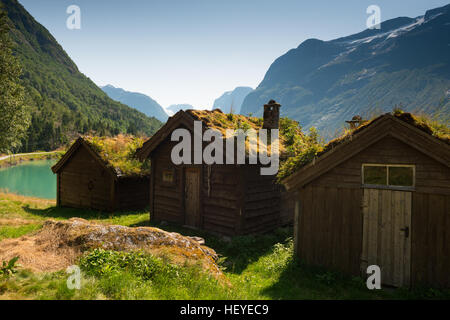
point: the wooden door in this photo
(386, 235)
(192, 197)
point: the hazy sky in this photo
(192, 51)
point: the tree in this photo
(14, 119)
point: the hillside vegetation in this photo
(62, 101)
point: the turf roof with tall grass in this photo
(290, 134)
(119, 152)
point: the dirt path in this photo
(25, 154)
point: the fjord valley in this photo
(138, 101)
(62, 101)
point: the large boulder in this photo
(59, 244)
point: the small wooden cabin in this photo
(225, 199)
(379, 196)
(86, 179)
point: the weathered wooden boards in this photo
(192, 196)
(345, 226)
(83, 182)
(386, 235)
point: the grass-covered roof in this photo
(315, 147)
(118, 153)
(290, 132)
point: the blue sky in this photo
(192, 51)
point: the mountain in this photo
(138, 101)
(174, 108)
(232, 100)
(62, 101)
(324, 83)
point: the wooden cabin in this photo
(224, 199)
(86, 179)
(379, 196)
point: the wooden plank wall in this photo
(167, 198)
(262, 203)
(287, 207)
(330, 227)
(132, 193)
(75, 178)
(430, 234)
(221, 198)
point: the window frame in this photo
(172, 171)
(389, 186)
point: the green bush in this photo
(101, 262)
(8, 268)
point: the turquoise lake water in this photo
(32, 178)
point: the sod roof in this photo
(439, 130)
(118, 153)
(290, 130)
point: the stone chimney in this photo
(271, 115)
(355, 122)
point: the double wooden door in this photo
(387, 234)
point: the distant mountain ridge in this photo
(324, 83)
(63, 102)
(232, 100)
(174, 108)
(138, 101)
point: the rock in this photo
(199, 240)
(60, 243)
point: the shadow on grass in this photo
(298, 281)
(235, 253)
(67, 213)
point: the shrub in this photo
(9, 268)
(103, 262)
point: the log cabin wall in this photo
(84, 183)
(166, 199)
(262, 201)
(132, 193)
(287, 207)
(330, 215)
(222, 193)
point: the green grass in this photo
(255, 267)
(38, 210)
(17, 231)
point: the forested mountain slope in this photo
(63, 101)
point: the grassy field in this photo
(257, 267)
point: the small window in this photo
(401, 176)
(388, 175)
(168, 176)
(375, 175)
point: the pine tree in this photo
(14, 119)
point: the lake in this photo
(31, 178)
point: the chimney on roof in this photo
(271, 115)
(355, 122)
